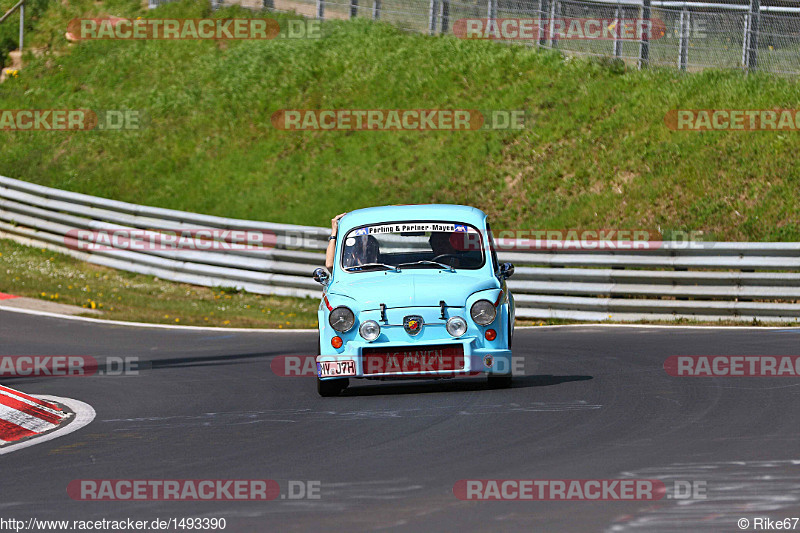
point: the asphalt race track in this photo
(595, 403)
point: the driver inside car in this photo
(363, 251)
(441, 243)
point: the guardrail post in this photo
(543, 7)
(376, 9)
(445, 24)
(752, 41)
(321, 9)
(683, 48)
(644, 44)
(21, 26)
(617, 40)
(432, 9)
(353, 9)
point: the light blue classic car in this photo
(416, 292)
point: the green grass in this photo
(596, 154)
(42, 274)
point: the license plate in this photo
(407, 360)
(328, 369)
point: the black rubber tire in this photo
(331, 387)
(499, 381)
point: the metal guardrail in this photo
(713, 281)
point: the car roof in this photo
(462, 214)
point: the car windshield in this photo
(412, 245)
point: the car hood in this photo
(410, 289)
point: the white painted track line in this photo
(144, 324)
(267, 330)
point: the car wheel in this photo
(499, 381)
(331, 387)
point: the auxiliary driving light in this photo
(456, 326)
(370, 330)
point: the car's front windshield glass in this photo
(409, 245)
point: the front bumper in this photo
(476, 358)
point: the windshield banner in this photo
(414, 226)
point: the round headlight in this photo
(342, 319)
(370, 330)
(483, 312)
(456, 326)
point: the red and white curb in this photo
(23, 416)
(26, 420)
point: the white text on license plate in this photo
(328, 369)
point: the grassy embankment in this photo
(595, 154)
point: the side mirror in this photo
(506, 270)
(321, 275)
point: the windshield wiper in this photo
(368, 265)
(445, 266)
